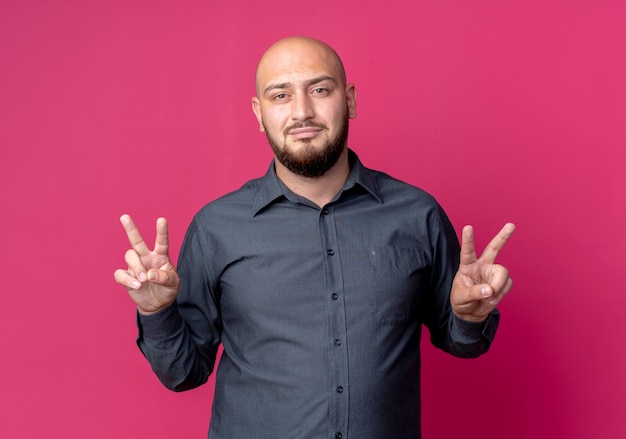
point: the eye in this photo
(280, 97)
(320, 90)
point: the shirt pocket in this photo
(397, 275)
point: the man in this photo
(315, 278)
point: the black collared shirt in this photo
(319, 311)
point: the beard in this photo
(311, 162)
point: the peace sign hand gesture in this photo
(480, 284)
(151, 278)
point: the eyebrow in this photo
(307, 83)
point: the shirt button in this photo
(337, 342)
(339, 389)
(338, 435)
(330, 252)
(325, 211)
(334, 296)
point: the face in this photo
(303, 105)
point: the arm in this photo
(165, 338)
(478, 286)
(457, 324)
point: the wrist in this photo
(152, 311)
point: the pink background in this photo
(504, 110)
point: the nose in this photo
(302, 107)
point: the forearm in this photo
(166, 342)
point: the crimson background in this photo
(505, 111)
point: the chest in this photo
(289, 265)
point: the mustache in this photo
(305, 124)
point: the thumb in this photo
(479, 292)
(164, 276)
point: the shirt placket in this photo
(337, 341)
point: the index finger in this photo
(134, 237)
(497, 243)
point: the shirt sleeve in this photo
(471, 339)
(448, 332)
(181, 341)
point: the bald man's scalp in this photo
(292, 44)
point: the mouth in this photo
(307, 131)
(304, 133)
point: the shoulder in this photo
(409, 205)
(237, 203)
(398, 191)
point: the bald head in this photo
(293, 54)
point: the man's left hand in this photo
(480, 284)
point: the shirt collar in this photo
(271, 188)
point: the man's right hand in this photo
(151, 278)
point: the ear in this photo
(256, 109)
(351, 100)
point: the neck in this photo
(320, 190)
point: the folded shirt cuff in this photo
(475, 330)
(161, 325)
